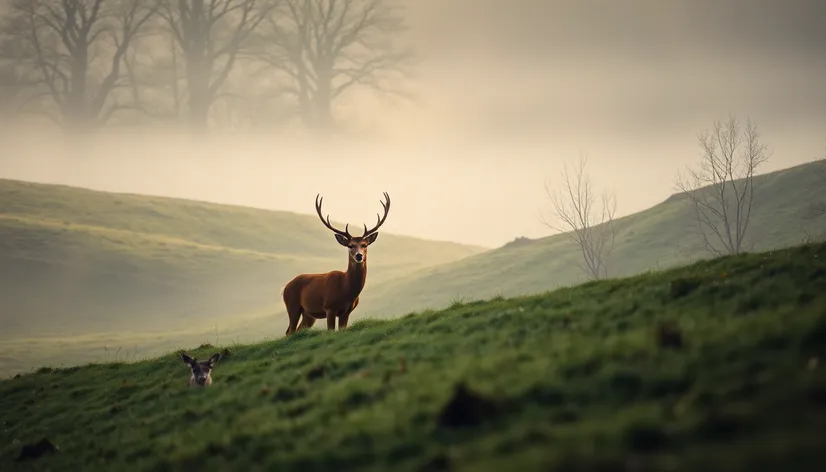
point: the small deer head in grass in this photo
(201, 370)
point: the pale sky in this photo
(508, 91)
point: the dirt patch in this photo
(467, 408)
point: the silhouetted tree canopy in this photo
(210, 36)
(66, 57)
(323, 48)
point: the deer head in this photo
(201, 370)
(357, 245)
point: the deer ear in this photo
(215, 357)
(186, 358)
(342, 240)
(372, 238)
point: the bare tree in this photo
(210, 35)
(324, 48)
(721, 190)
(575, 214)
(68, 55)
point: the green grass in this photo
(116, 262)
(143, 274)
(26, 353)
(660, 237)
(573, 379)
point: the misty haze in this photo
(590, 207)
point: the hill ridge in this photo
(169, 240)
(662, 235)
(224, 205)
(115, 263)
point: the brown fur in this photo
(332, 295)
(201, 371)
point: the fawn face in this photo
(201, 370)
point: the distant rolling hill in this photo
(75, 261)
(659, 237)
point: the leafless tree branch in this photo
(721, 189)
(211, 35)
(324, 48)
(576, 215)
(58, 48)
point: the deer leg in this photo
(331, 320)
(307, 322)
(292, 302)
(344, 318)
(294, 313)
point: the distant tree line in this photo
(88, 63)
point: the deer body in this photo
(332, 295)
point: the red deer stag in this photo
(309, 297)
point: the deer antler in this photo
(345, 233)
(381, 219)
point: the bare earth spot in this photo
(669, 335)
(466, 408)
(36, 450)
(684, 286)
(316, 372)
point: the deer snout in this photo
(359, 257)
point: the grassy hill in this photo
(712, 366)
(78, 263)
(660, 237)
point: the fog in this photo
(506, 92)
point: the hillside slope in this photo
(660, 237)
(75, 260)
(576, 379)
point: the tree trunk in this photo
(198, 112)
(199, 99)
(75, 109)
(322, 103)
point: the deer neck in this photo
(355, 277)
